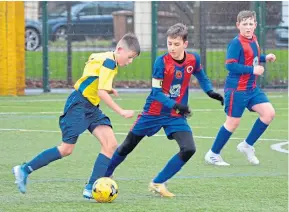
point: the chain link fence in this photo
(97, 26)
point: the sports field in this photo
(29, 125)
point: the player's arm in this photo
(157, 93)
(104, 96)
(204, 81)
(106, 76)
(232, 59)
(263, 58)
(157, 82)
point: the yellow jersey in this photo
(98, 73)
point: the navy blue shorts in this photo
(237, 101)
(80, 114)
(147, 125)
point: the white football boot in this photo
(249, 151)
(215, 159)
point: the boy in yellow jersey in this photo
(82, 112)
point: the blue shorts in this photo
(148, 125)
(79, 114)
(237, 101)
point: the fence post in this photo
(154, 32)
(45, 66)
(68, 39)
(257, 9)
(203, 36)
(263, 33)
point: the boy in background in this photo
(241, 91)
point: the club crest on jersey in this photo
(175, 90)
(190, 69)
(179, 74)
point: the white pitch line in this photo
(278, 147)
(35, 100)
(117, 99)
(125, 133)
(198, 127)
(57, 112)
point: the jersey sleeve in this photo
(158, 69)
(106, 74)
(232, 59)
(92, 66)
(157, 80)
(263, 58)
(201, 76)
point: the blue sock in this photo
(43, 159)
(257, 130)
(221, 139)
(114, 162)
(173, 166)
(99, 168)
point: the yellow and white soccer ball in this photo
(104, 190)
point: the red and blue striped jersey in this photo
(173, 87)
(242, 55)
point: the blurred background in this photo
(59, 37)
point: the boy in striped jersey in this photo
(167, 107)
(241, 91)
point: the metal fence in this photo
(59, 42)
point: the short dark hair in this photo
(131, 42)
(245, 14)
(178, 30)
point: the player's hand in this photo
(127, 113)
(182, 109)
(270, 57)
(216, 96)
(258, 70)
(114, 92)
(188, 114)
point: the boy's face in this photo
(176, 47)
(247, 27)
(125, 57)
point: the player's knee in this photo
(187, 153)
(109, 148)
(65, 150)
(269, 116)
(130, 142)
(232, 124)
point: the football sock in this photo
(173, 166)
(257, 130)
(43, 159)
(114, 162)
(221, 139)
(99, 168)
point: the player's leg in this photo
(144, 125)
(21, 172)
(187, 149)
(101, 128)
(108, 142)
(213, 155)
(235, 105)
(127, 146)
(108, 157)
(264, 108)
(72, 123)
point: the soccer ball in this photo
(104, 190)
